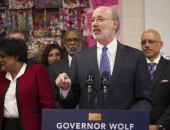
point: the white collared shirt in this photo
(111, 52)
(155, 61)
(10, 103)
(69, 59)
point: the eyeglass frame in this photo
(151, 42)
(72, 39)
(100, 19)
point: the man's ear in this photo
(161, 44)
(115, 24)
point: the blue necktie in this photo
(104, 62)
(151, 69)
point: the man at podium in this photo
(118, 74)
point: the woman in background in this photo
(25, 89)
(51, 54)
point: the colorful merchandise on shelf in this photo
(31, 47)
(21, 4)
(6, 2)
(47, 24)
(43, 4)
(19, 19)
(39, 45)
(75, 3)
(72, 18)
(2, 22)
(44, 28)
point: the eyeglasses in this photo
(151, 42)
(72, 39)
(100, 19)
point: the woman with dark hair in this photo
(25, 89)
(51, 54)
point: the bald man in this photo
(151, 44)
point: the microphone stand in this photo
(89, 91)
(96, 99)
(105, 85)
(104, 93)
(89, 84)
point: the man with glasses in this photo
(73, 44)
(151, 44)
(126, 67)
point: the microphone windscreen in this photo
(91, 73)
(105, 75)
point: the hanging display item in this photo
(6, 2)
(20, 4)
(2, 22)
(39, 45)
(19, 19)
(30, 46)
(43, 4)
(47, 24)
(45, 28)
(72, 18)
(75, 3)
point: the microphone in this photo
(90, 83)
(105, 85)
(105, 81)
(90, 80)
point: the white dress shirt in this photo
(10, 102)
(69, 59)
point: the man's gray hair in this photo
(116, 17)
(15, 32)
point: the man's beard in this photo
(104, 34)
(72, 52)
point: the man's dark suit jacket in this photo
(161, 94)
(54, 70)
(129, 84)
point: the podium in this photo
(73, 119)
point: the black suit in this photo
(161, 95)
(129, 86)
(54, 70)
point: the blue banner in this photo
(94, 120)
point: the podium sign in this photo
(73, 119)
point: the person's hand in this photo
(63, 81)
(153, 127)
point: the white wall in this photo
(157, 17)
(133, 22)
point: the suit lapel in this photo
(121, 55)
(159, 70)
(92, 60)
(65, 66)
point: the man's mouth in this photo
(147, 50)
(96, 30)
(73, 48)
